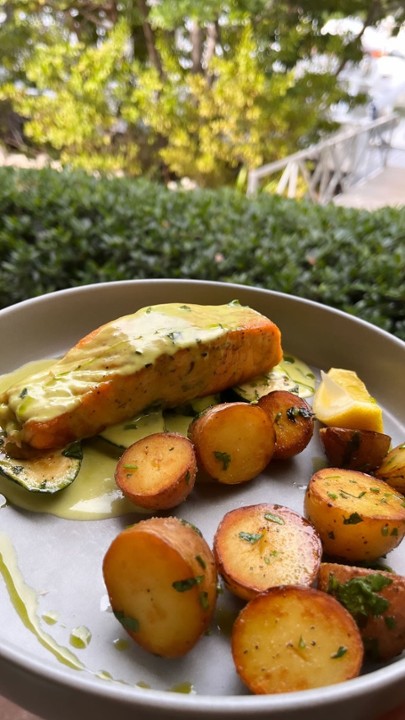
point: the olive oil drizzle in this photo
(24, 600)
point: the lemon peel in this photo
(342, 400)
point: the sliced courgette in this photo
(179, 418)
(177, 422)
(196, 406)
(290, 374)
(125, 434)
(45, 472)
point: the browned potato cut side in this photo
(361, 450)
(392, 468)
(162, 584)
(260, 546)
(358, 517)
(157, 472)
(295, 638)
(234, 442)
(375, 599)
(293, 422)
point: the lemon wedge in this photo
(342, 400)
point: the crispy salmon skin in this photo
(162, 355)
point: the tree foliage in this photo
(174, 87)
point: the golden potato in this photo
(294, 638)
(293, 422)
(158, 471)
(375, 599)
(392, 468)
(260, 546)
(358, 517)
(234, 442)
(354, 449)
(161, 579)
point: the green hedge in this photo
(61, 230)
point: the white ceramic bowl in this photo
(61, 559)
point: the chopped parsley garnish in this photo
(73, 451)
(188, 583)
(274, 518)
(223, 457)
(251, 538)
(190, 525)
(204, 602)
(293, 412)
(344, 494)
(129, 623)
(342, 650)
(353, 519)
(174, 335)
(390, 622)
(360, 595)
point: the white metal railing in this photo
(332, 166)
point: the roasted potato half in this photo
(375, 599)
(358, 517)
(158, 471)
(294, 638)
(260, 546)
(234, 442)
(392, 468)
(361, 450)
(161, 579)
(293, 422)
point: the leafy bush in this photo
(61, 230)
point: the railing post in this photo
(346, 167)
(252, 183)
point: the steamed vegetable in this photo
(392, 468)
(358, 517)
(157, 472)
(234, 442)
(354, 449)
(375, 599)
(162, 584)
(293, 422)
(41, 472)
(295, 638)
(260, 546)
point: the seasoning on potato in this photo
(234, 442)
(295, 638)
(375, 599)
(161, 579)
(358, 517)
(158, 471)
(362, 450)
(293, 422)
(259, 546)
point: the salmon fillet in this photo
(162, 355)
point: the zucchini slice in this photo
(290, 374)
(124, 434)
(180, 418)
(45, 472)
